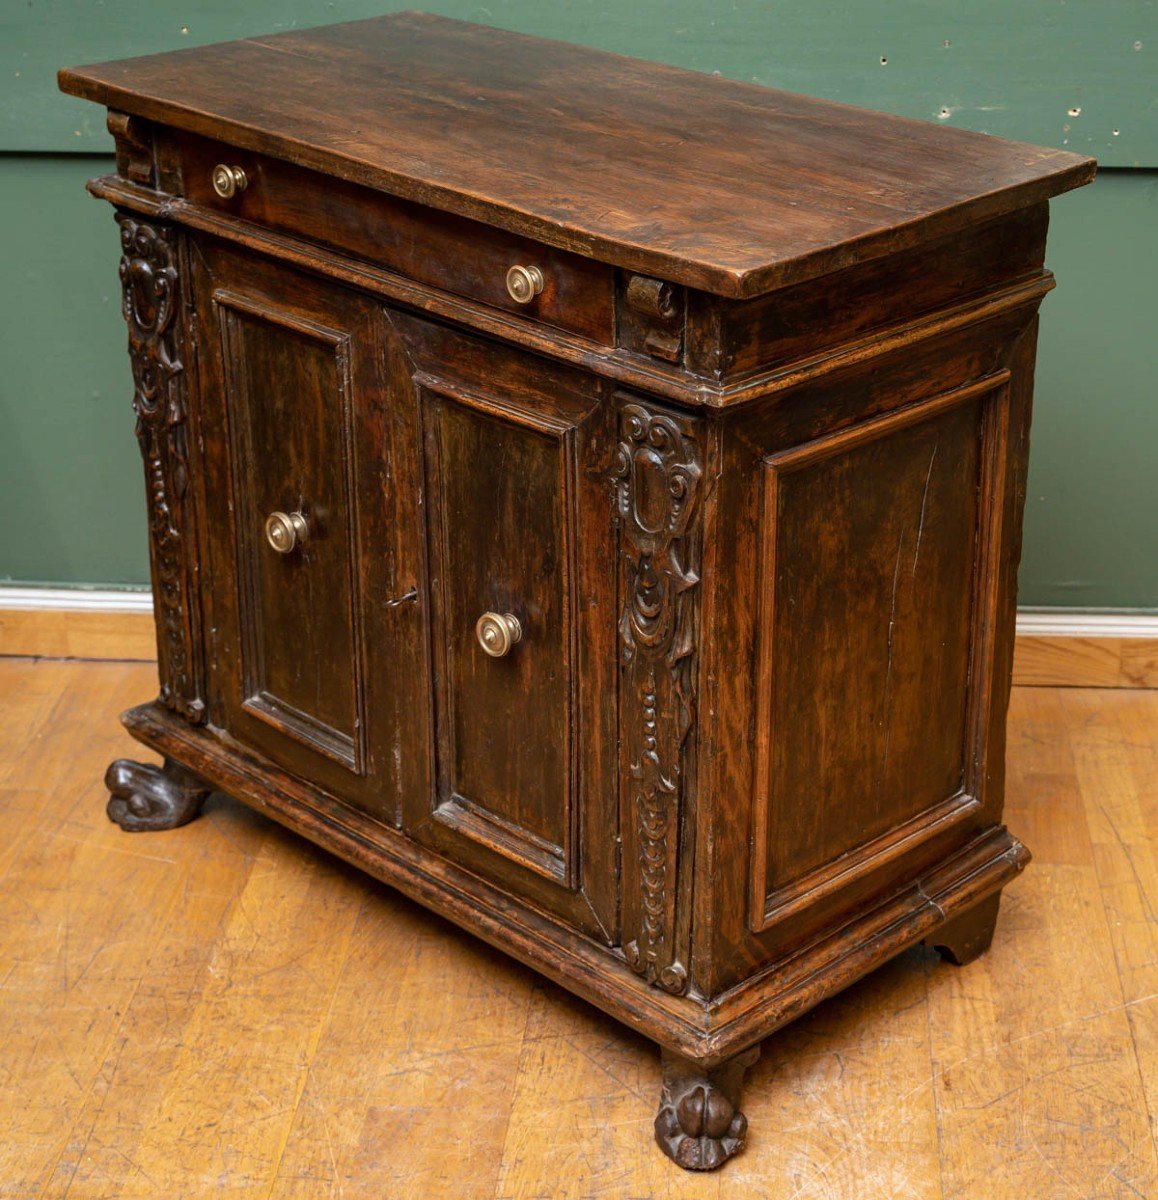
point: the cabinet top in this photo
(730, 187)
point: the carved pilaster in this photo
(151, 302)
(657, 473)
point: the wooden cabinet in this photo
(594, 510)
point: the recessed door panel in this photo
(315, 544)
(288, 395)
(502, 525)
(520, 536)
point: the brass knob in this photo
(228, 181)
(498, 632)
(524, 283)
(285, 531)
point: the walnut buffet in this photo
(587, 496)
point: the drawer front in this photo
(309, 654)
(445, 251)
(521, 591)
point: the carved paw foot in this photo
(699, 1124)
(145, 797)
(968, 936)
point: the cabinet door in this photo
(519, 529)
(317, 633)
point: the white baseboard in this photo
(49, 599)
(1066, 622)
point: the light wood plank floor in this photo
(225, 1011)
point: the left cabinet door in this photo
(316, 649)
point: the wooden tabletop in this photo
(726, 186)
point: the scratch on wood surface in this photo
(924, 502)
(570, 1043)
(887, 713)
(1143, 895)
(111, 848)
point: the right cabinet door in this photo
(521, 576)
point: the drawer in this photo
(449, 252)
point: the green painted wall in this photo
(70, 479)
(1011, 67)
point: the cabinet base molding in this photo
(708, 1032)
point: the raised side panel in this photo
(867, 744)
(288, 397)
(502, 514)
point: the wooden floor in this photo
(225, 1011)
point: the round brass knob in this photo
(228, 181)
(498, 632)
(524, 283)
(285, 531)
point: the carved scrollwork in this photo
(657, 475)
(150, 300)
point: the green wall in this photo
(70, 479)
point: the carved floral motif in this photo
(657, 476)
(150, 297)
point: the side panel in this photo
(859, 580)
(873, 542)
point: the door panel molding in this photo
(346, 746)
(772, 899)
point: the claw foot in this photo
(145, 797)
(699, 1124)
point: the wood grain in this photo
(895, 482)
(1108, 662)
(224, 1009)
(513, 130)
(52, 633)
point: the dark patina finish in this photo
(586, 495)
